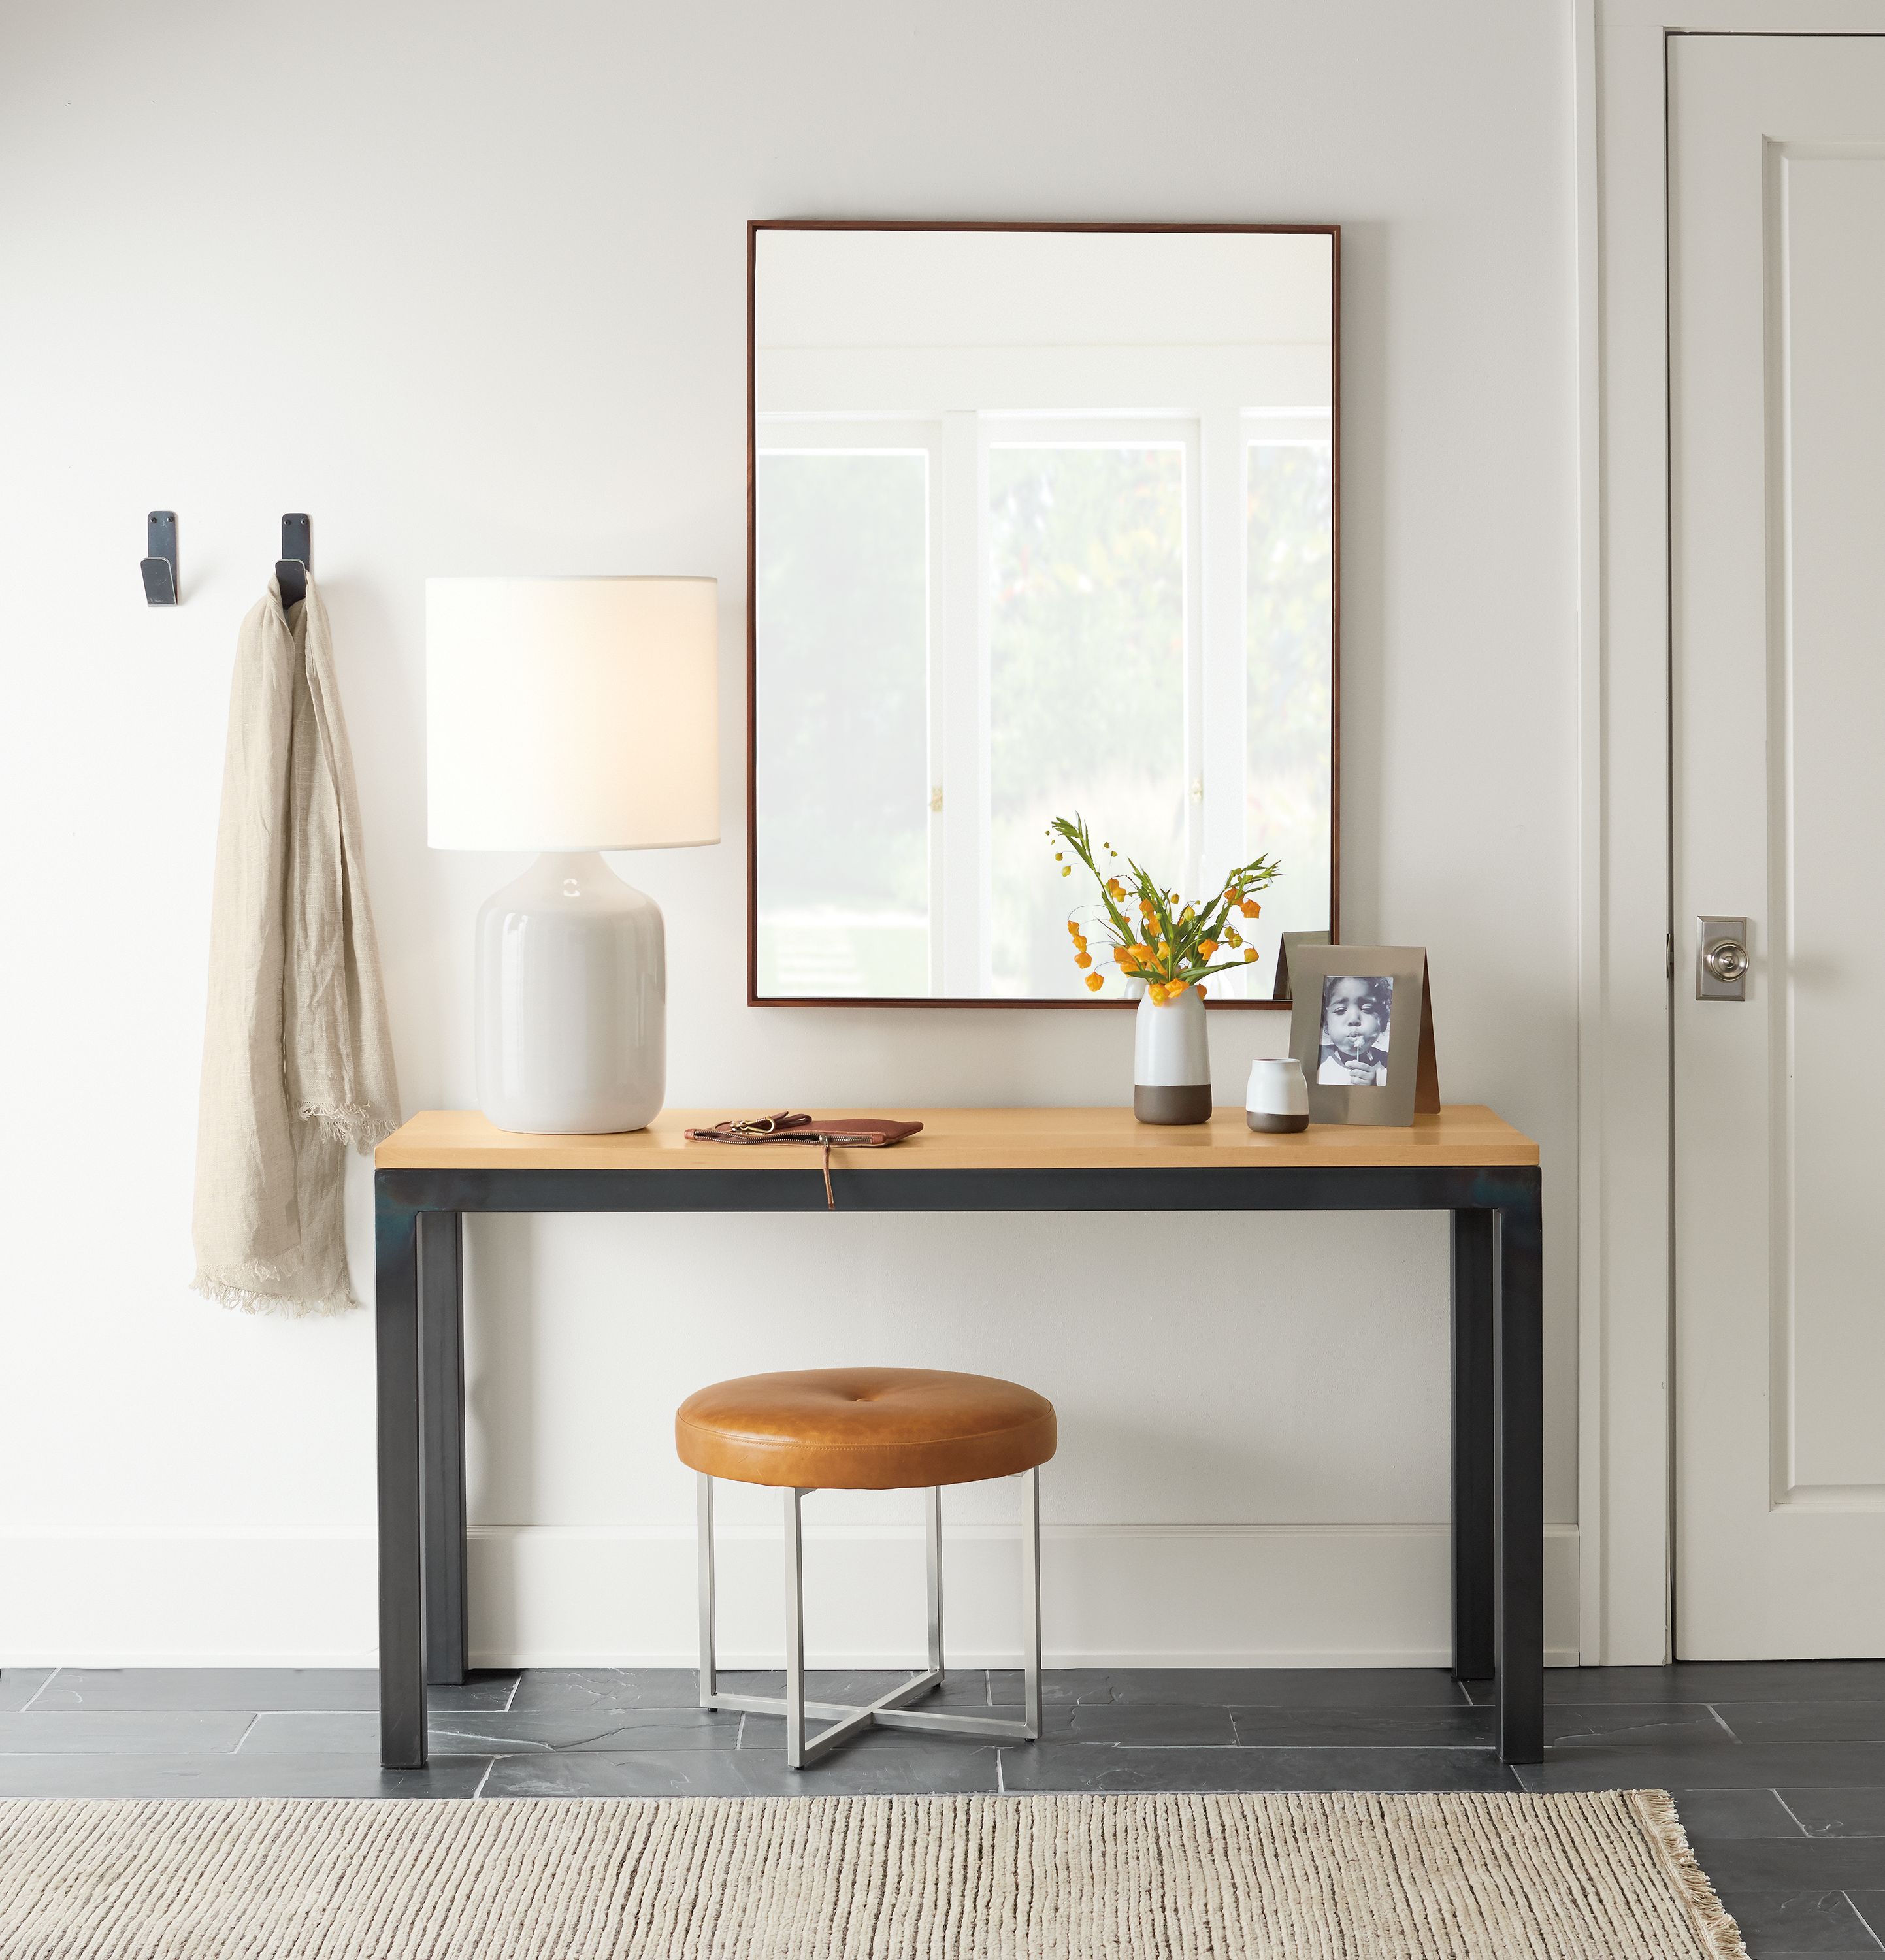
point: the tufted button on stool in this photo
(867, 1429)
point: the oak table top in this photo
(1013, 1139)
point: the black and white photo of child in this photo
(1356, 1009)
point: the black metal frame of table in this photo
(1498, 1370)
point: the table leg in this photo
(442, 1442)
(402, 1635)
(1473, 1247)
(1518, 1366)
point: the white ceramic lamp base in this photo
(571, 1001)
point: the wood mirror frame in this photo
(755, 226)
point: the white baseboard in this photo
(1114, 1596)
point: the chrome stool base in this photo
(890, 1710)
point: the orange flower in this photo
(1083, 959)
(1127, 956)
(1096, 981)
(1250, 909)
(1249, 953)
(1156, 993)
(1073, 925)
(1207, 947)
(1201, 990)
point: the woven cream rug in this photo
(1606, 1877)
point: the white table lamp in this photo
(571, 716)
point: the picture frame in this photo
(1285, 951)
(1362, 1025)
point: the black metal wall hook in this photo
(298, 557)
(159, 564)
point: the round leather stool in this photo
(867, 1429)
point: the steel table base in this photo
(1498, 1371)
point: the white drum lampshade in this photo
(569, 717)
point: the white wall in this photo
(467, 285)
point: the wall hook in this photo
(298, 557)
(159, 563)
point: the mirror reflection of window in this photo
(843, 777)
(1086, 681)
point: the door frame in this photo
(1626, 951)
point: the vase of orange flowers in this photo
(1167, 944)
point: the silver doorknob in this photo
(1721, 959)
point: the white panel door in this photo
(1777, 267)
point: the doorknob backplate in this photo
(1721, 957)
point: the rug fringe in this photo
(1721, 1937)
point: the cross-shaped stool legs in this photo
(890, 1710)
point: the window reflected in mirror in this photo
(1044, 521)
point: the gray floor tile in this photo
(765, 1735)
(245, 1688)
(1166, 1725)
(19, 1685)
(558, 1689)
(487, 1689)
(299, 1732)
(1838, 1813)
(1243, 1687)
(1650, 1725)
(1773, 1923)
(326, 1775)
(84, 1732)
(296, 1733)
(1870, 1908)
(1806, 1721)
(852, 1771)
(1051, 1765)
(1735, 1813)
(1716, 1681)
(611, 1730)
(1381, 1726)
(1747, 1766)
(1793, 1864)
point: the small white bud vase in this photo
(1277, 1097)
(1171, 1061)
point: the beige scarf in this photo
(298, 1060)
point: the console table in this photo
(1465, 1160)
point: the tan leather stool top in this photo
(865, 1429)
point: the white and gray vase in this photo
(1171, 1061)
(1277, 1097)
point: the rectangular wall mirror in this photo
(1043, 519)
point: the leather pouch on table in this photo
(787, 1126)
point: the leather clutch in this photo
(787, 1126)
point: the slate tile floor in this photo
(1778, 1768)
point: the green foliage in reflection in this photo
(1087, 678)
(1288, 622)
